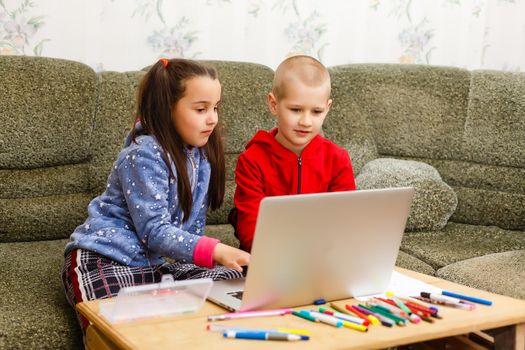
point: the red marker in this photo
(357, 312)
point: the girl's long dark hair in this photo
(160, 89)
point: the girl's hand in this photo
(230, 257)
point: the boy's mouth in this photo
(302, 132)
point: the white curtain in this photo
(130, 34)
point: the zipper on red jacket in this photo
(299, 165)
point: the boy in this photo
(292, 158)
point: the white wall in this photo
(130, 34)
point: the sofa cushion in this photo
(473, 175)
(500, 273)
(491, 195)
(40, 218)
(414, 110)
(434, 201)
(49, 122)
(409, 262)
(35, 313)
(495, 127)
(347, 124)
(457, 242)
(115, 115)
(39, 182)
(487, 207)
(245, 87)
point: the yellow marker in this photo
(294, 331)
(373, 319)
(358, 327)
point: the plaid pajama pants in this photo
(87, 276)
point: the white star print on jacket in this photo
(138, 219)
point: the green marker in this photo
(306, 316)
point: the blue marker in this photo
(262, 335)
(466, 297)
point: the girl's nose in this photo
(212, 118)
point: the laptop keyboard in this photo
(236, 294)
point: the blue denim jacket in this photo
(138, 219)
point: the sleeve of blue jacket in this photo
(145, 181)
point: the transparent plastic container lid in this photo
(166, 298)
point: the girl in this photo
(161, 185)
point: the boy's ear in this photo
(272, 103)
(329, 104)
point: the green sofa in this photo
(458, 136)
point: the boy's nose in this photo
(305, 120)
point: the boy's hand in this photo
(230, 257)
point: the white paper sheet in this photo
(404, 286)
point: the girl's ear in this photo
(272, 104)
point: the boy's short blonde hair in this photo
(299, 68)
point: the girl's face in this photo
(195, 114)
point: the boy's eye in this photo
(295, 110)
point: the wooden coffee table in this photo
(506, 316)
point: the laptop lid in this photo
(326, 245)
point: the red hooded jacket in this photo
(266, 168)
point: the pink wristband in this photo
(203, 253)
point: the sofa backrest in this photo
(491, 184)
(62, 126)
(46, 120)
(495, 127)
(113, 120)
(413, 111)
(469, 125)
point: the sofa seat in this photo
(35, 313)
(500, 273)
(409, 262)
(458, 242)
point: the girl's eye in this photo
(201, 110)
(215, 109)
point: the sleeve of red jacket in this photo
(248, 195)
(343, 174)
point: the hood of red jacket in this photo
(267, 140)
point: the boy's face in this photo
(300, 114)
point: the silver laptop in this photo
(320, 246)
